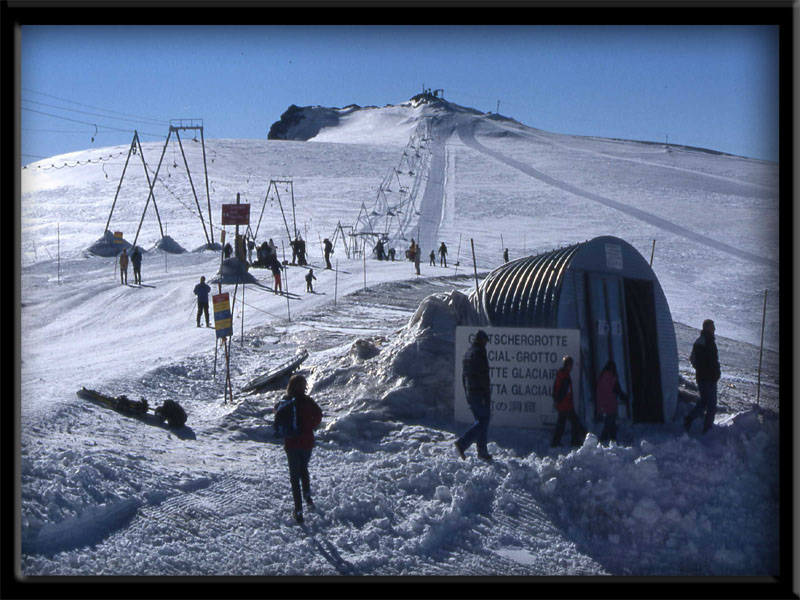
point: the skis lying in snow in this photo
(138, 409)
(277, 372)
(266, 288)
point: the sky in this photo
(713, 87)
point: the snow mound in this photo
(214, 247)
(167, 244)
(232, 271)
(413, 373)
(106, 245)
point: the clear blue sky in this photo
(709, 86)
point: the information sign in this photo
(235, 214)
(223, 322)
(522, 368)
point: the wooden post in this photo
(364, 255)
(652, 253)
(336, 282)
(243, 286)
(761, 352)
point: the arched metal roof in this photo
(525, 292)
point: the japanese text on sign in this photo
(522, 368)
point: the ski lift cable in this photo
(93, 124)
(84, 112)
(142, 119)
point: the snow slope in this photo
(105, 494)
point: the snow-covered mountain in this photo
(105, 494)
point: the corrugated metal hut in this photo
(605, 288)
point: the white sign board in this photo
(522, 368)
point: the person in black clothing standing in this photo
(201, 290)
(705, 360)
(443, 255)
(328, 252)
(475, 379)
(136, 261)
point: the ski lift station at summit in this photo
(607, 290)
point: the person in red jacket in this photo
(608, 390)
(298, 448)
(562, 401)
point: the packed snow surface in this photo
(107, 494)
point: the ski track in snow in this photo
(466, 134)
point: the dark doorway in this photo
(643, 352)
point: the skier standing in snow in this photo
(432, 258)
(136, 260)
(328, 252)
(228, 250)
(123, 267)
(608, 390)
(392, 253)
(562, 400)
(295, 245)
(705, 360)
(475, 379)
(416, 257)
(201, 290)
(275, 266)
(298, 448)
(443, 255)
(309, 278)
(301, 252)
(505, 255)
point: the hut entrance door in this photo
(645, 371)
(606, 305)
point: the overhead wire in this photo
(143, 119)
(84, 112)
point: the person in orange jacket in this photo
(123, 267)
(298, 448)
(562, 402)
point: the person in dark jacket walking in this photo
(328, 252)
(477, 386)
(563, 403)
(608, 390)
(201, 290)
(443, 255)
(136, 261)
(705, 360)
(298, 448)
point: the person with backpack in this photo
(705, 360)
(562, 402)
(136, 261)
(608, 390)
(202, 290)
(296, 418)
(477, 387)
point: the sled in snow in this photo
(279, 371)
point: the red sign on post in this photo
(235, 214)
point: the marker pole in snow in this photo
(761, 352)
(364, 254)
(474, 265)
(458, 252)
(652, 253)
(286, 289)
(336, 282)
(58, 268)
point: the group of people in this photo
(136, 261)
(414, 254)
(476, 382)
